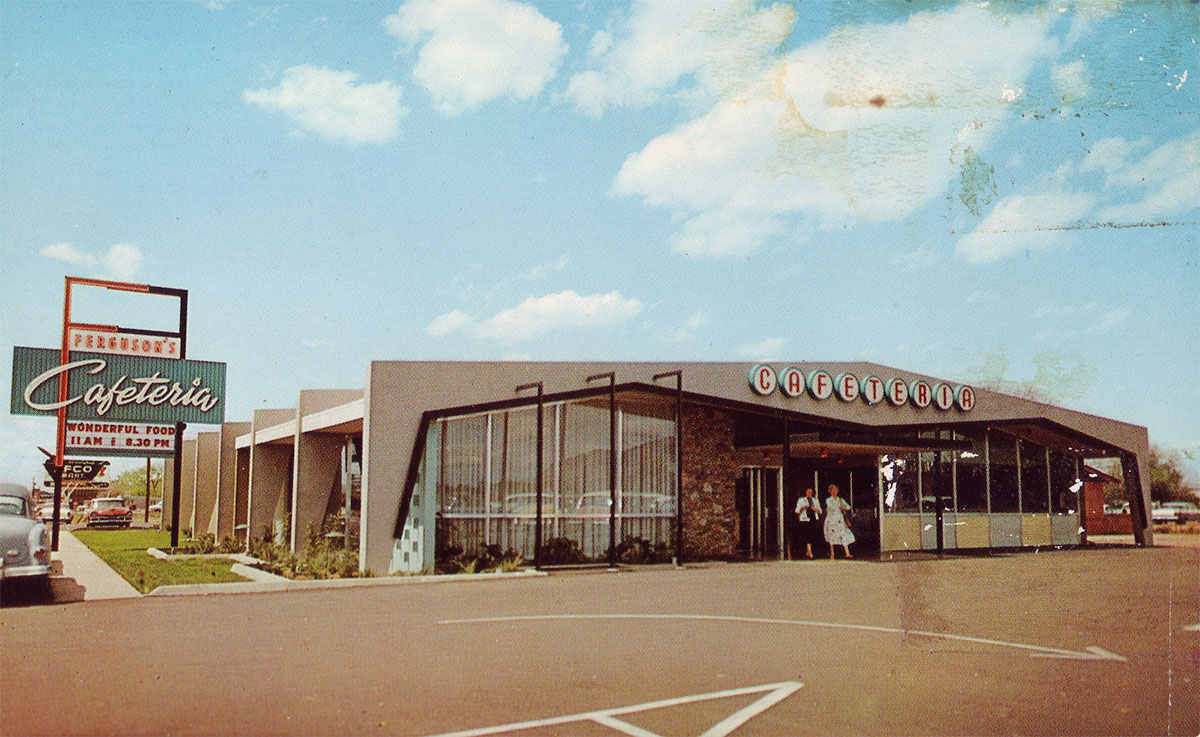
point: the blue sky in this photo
(996, 192)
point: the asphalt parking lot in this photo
(1069, 642)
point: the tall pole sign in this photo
(118, 390)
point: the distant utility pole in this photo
(146, 511)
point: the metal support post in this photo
(537, 528)
(612, 463)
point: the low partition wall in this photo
(900, 532)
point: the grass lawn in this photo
(125, 552)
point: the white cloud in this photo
(122, 261)
(1070, 81)
(541, 271)
(981, 295)
(1109, 320)
(763, 350)
(1165, 180)
(716, 45)
(1107, 155)
(857, 124)
(1024, 222)
(1150, 190)
(696, 321)
(536, 316)
(70, 254)
(920, 257)
(448, 323)
(329, 103)
(474, 51)
(567, 309)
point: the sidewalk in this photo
(93, 575)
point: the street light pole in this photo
(537, 527)
(612, 462)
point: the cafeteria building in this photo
(684, 461)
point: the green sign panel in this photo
(107, 386)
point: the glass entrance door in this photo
(758, 499)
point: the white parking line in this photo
(774, 693)
(1089, 653)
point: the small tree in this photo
(132, 483)
(1167, 483)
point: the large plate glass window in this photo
(1002, 458)
(1035, 493)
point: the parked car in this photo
(46, 513)
(156, 507)
(24, 540)
(1175, 512)
(596, 504)
(109, 511)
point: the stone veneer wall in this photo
(711, 468)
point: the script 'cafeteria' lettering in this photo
(152, 390)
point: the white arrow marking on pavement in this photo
(775, 692)
(1089, 653)
(1092, 653)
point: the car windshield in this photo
(107, 504)
(12, 505)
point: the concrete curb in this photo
(287, 584)
(164, 555)
(255, 574)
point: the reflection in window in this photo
(1035, 494)
(936, 479)
(647, 500)
(1002, 457)
(863, 483)
(899, 473)
(486, 479)
(1064, 483)
(971, 474)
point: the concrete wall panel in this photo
(317, 471)
(168, 493)
(208, 457)
(187, 485)
(270, 476)
(224, 514)
(241, 492)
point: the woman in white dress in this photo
(837, 532)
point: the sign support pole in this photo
(179, 426)
(56, 472)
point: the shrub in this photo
(562, 551)
(320, 560)
(509, 564)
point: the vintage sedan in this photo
(24, 540)
(109, 512)
(46, 513)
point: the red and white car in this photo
(109, 512)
